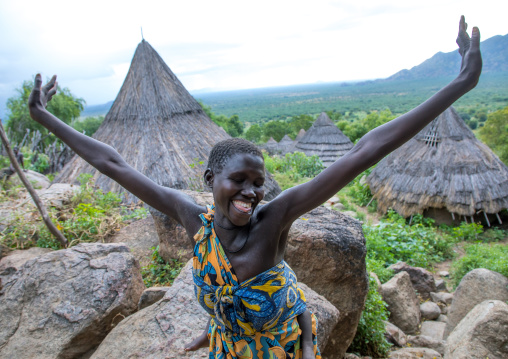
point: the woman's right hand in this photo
(469, 49)
(41, 95)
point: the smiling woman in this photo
(256, 307)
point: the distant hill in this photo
(399, 92)
(495, 60)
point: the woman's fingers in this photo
(463, 39)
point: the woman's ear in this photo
(208, 177)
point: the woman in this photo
(250, 292)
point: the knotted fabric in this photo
(252, 319)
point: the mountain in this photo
(495, 60)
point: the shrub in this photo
(159, 272)
(369, 339)
(293, 168)
(480, 255)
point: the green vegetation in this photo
(293, 168)
(158, 272)
(232, 125)
(91, 216)
(495, 133)
(88, 125)
(480, 255)
(64, 105)
(369, 339)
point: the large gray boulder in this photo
(476, 286)
(482, 333)
(326, 249)
(62, 304)
(163, 329)
(414, 353)
(422, 280)
(403, 304)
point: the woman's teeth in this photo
(242, 206)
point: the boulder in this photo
(63, 303)
(140, 237)
(414, 353)
(482, 333)
(430, 310)
(326, 249)
(14, 260)
(151, 296)
(441, 285)
(442, 318)
(422, 280)
(433, 329)
(58, 194)
(394, 335)
(476, 286)
(422, 341)
(36, 179)
(402, 302)
(163, 329)
(442, 298)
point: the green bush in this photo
(159, 272)
(293, 168)
(419, 244)
(479, 255)
(369, 339)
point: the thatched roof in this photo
(285, 145)
(270, 146)
(157, 127)
(443, 166)
(301, 133)
(325, 140)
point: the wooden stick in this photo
(40, 206)
(486, 218)
(499, 218)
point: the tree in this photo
(276, 129)
(254, 133)
(89, 125)
(495, 133)
(63, 105)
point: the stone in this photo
(58, 195)
(326, 249)
(430, 310)
(17, 258)
(441, 285)
(394, 335)
(403, 304)
(422, 280)
(444, 274)
(442, 297)
(414, 353)
(63, 303)
(163, 329)
(422, 341)
(36, 179)
(151, 295)
(476, 286)
(433, 329)
(141, 237)
(442, 318)
(482, 333)
(351, 356)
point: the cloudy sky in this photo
(220, 45)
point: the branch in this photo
(35, 197)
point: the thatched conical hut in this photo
(285, 145)
(158, 128)
(325, 140)
(301, 133)
(271, 146)
(443, 166)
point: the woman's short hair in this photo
(224, 150)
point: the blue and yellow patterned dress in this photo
(253, 319)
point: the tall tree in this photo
(495, 133)
(64, 105)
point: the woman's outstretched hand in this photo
(469, 49)
(41, 95)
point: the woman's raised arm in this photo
(106, 159)
(384, 139)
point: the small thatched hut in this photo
(158, 128)
(325, 140)
(442, 167)
(285, 145)
(271, 146)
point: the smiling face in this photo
(238, 188)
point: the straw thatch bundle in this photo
(443, 166)
(158, 128)
(325, 140)
(285, 145)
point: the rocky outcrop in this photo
(325, 248)
(430, 310)
(17, 258)
(482, 333)
(403, 304)
(394, 335)
(151, 296)
(162, 329)
(140, 237)
(63, 303)
(414, 353)
(422, 280)
(422, 341)
(476, 286)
